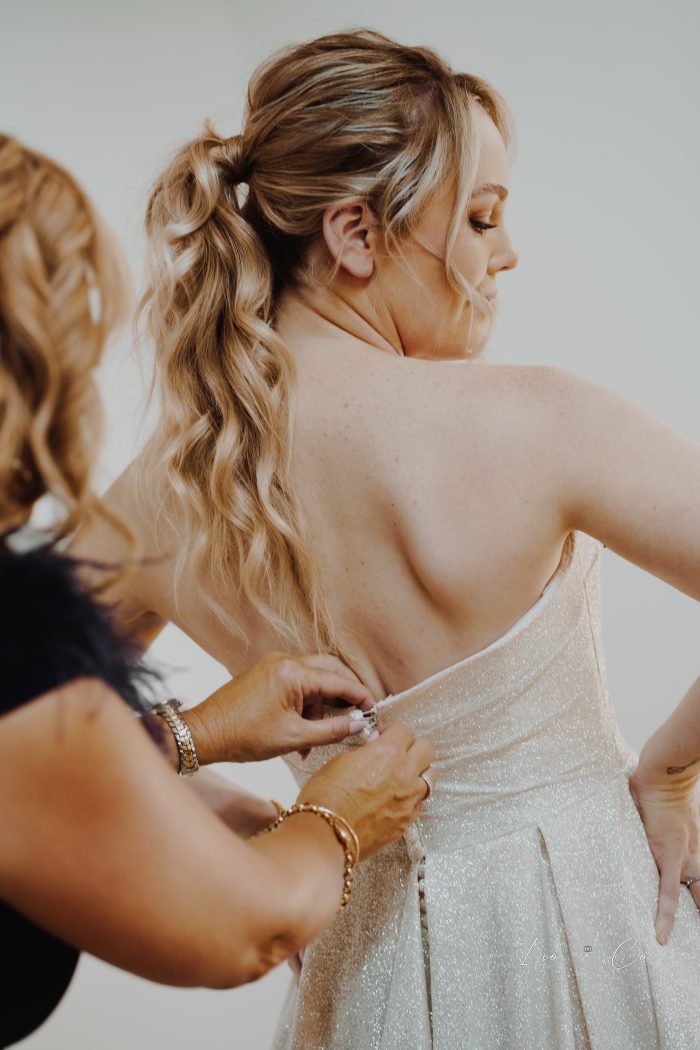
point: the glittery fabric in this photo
(518, 911)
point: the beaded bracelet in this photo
(345, 835)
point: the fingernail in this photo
(373, 735)
(356, 727)
(662, 937)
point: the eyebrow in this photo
(491, 187)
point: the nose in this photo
(505, 257)
(511, 259)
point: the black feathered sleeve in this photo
(52, 631)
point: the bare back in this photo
(428, 509)
(429, 517)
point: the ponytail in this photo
(224, 376)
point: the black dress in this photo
(51, 632)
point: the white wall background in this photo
(604, 212)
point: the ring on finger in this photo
(430, 783)
(691, 880)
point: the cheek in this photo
(471, 259)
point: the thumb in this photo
(669, 892)
(331, 730)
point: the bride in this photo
(336, 468)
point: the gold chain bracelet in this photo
(345, 835)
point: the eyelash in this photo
(480, 227)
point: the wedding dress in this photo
(518, 911)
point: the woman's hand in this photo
(671, 818)
(377, 788)
(276, 707)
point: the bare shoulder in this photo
(511, 412)
(79, 708)
(587, 456)
(620, 473)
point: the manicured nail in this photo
(356, 726)
(373, 735)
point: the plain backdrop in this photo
(604, 214)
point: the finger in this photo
(398, 734)
(421, 754)
(324, 662)
(691, 868)
(327, 684)
(313, 708)
(329, 730)
(695, 892)
(669, 892)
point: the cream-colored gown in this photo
(518, 913)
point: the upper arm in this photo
(106, 848)
(624, 476)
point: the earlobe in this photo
(346, 234)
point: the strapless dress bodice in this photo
(521, 728)
(518, 910)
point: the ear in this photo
(350, 235)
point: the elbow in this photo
(287, 924)
(252, 962)
(271, 941)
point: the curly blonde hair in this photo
(346, 116)
(63, 288)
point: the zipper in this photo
(370, 719)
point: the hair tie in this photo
(236, 158)
(229, 154)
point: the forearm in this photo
(304, 847)
(129, 866)
(241, 811)
(671, 757)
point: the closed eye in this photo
(479, 227)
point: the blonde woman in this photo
(335, 466)
(101, 847)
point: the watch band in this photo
(168, 711)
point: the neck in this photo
(333, 314)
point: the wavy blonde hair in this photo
(63, 289)
(350, 115)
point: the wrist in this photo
(188, 759)
(307, 831)
(216, 729)
(205, 741)
(660, 765)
